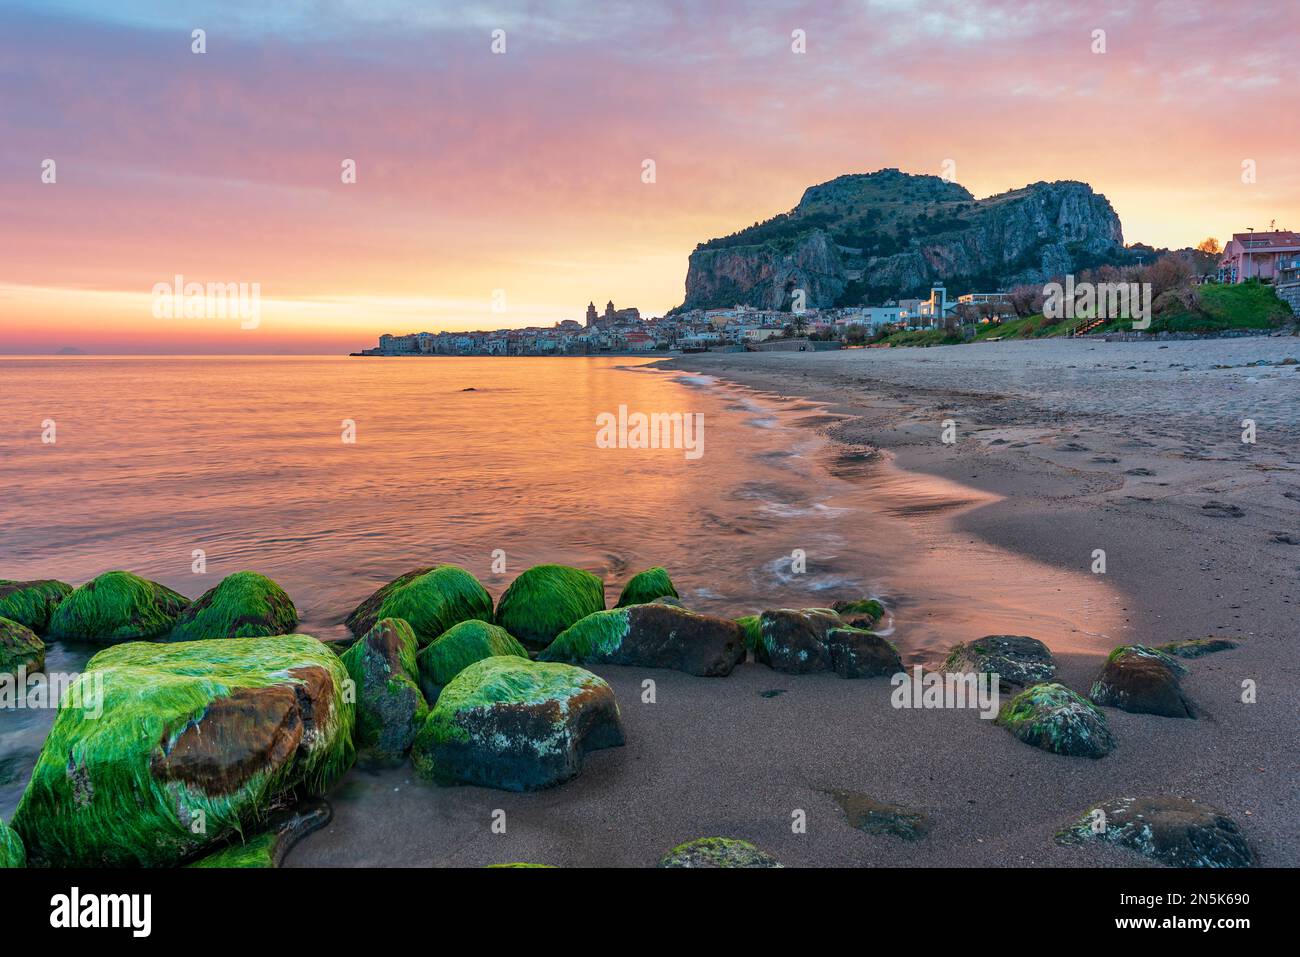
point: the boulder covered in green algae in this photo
(390, 706)
(545, 600)
(652, 636)
(1144, 681)
(795, 640)
(863, 613)
(510, 723)
(11, 848)
(858, 653)
(32, 603)
(242, 605)
(1196, 647)
(646, 586)
(117, 606)
(459, 647)
(717, 852)
(752, 628)
(19, 648)
(1015, 659)
(1056, 719)
(431, 600)
(1175, 831)
(178, 747)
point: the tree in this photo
(1209, 245)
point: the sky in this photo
(498, 189)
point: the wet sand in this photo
(1030, 484)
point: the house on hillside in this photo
(1257, 255)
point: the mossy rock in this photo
(178, 747)
(117, 606)
(646, 586)
(459, 647)
(269, 848)
(858, 653)
(652, 636)
(510, 723)
(1196, 647)
(19, 648)
(431, 600)
(1144, 681)
(545, 600)
(258, 851)
(32, 603)
(390, 706)
(717, 852)
(11, 848)
(1056, 719)
(242, 605)
(1174, 831)
(752, 627)
(795, 641)
(863, 613)
(1015, 659)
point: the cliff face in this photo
(866, 238)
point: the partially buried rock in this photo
(652, 636)
(1056, 719)
(862, 613)
(268, 849)
(11, 848)
(545, 600)
(1015, 659)
(795, 641)
(459, 647)
(431, 600)
(1175, 831)
(32, 603)
(1195, 647)
(646, 587)
(1144, 681)
(858, 653)
(717, 852)
(19, 648)
(117, 606)
(175, 748)
(877, 817)
(390, 708)
(509, 723)
(242, 605)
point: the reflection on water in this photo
(455, 458)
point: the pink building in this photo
(1258, 255)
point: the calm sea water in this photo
(453, 460)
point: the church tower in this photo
(609, 311)
(591, 314)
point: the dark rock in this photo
(390, 707)
(1144, 681)
(1015, 659)
(1056, 719)
(284, 829)
(1175, 831)
(875, 817)
(858, 653)
(1196, 647)
(795, 641)
(717, 852)
(652, 636)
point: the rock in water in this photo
(877, 817)
(858, 653)
(1144, 681)
(1056, 719)
(1196, 647)
(242, 605)
(796, 641)
(1015, 659)
(177, 747)
(863, 613)
(509, 723)
(117, 606)
(717, 852)
(431, 600)
(11, 848)
(1178, 832)
(547, 599)
(19, 648)
(459, 647)
(652, 636)
(646, 587)
(32, 603)
(390, 708)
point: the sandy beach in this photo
(1063, 447)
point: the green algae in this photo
(752, 626)
(1052, 717)
(117, 606)
(862, 608)
(547, 599)
(12, 853)
(242, 605)
(113, 788)
(431, 600)
(594, 637)
(390, 706)
(646, 586)
(257, 851)
(717, 852)
(459, 647)
(19, 648)
(32, 603)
